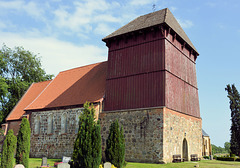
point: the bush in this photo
(87, 147)
(9, 147)
(23, 143)
(115, 149)
(226, 158)
(206, 157)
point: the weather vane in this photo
(154, 7)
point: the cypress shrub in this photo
(9, 147)
(115, 149)
(87, 147)
(23, 143)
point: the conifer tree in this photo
(115, 149)
(9, 147)
(23, 143)
(87, 148)
(234, 98)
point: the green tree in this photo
(234, 98)
(227, 146)
(23, 143)
(18, 70)
(115, 149)
(9, 147)
(87, 151)
(217, 149)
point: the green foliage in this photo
(9, 147)
(206, 157)
(87, 148)
(228, 158)
(218, 149)
(115, 149)
(23, 143)
(234, 98)
(227, 146)
(18, 70)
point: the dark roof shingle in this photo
(153, 19)
(204, 133)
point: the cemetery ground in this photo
(34, 162)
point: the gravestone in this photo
(63, 165)
(66, 159)
(107, 165)
(19, 166)
(44, 161)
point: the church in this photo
(148, 83)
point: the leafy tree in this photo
(23, 143)
(218, 149)
(227, 146)
(18, 70)
(9, 146)
(234, 98)
(115, 149)
(87, 148)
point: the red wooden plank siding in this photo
(138, 91)
(151, 71)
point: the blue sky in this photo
(67, 34)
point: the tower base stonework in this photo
(155, 134)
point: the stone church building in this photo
(148, 83)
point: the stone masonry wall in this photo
(142, 131)
(178, 126)
(53, 142)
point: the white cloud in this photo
(17, 4)
(2, 25)
(185, 23)
(103, 29)
(31, 8)
(56, 55)
(140, 2)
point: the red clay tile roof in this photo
(73, 87)
(33, 91)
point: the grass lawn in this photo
(203, 163)
(34, 162)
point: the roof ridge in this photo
(166, 12)
(81, 67)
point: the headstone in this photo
(107, 165)
(44, 161)
(63, 165)
(66, 159)
(19, 166)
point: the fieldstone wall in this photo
(176, 128)
(142, 131)
(55, 134)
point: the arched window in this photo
(50, 124)
(64, 123)
(37, 125)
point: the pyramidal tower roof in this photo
(153, 19)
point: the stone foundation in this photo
(142, 131)
(178, 127)
(155, 134)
